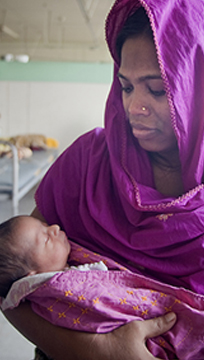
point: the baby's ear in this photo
(32, 272)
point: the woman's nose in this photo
(54, 229)
(137, 106)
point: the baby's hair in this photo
(136, 24)
(13, 266)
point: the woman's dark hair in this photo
(136, 24)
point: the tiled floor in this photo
(13, 346)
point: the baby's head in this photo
(29, 246)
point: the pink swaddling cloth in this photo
(98, 301)
(101, 301)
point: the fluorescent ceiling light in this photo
(22, 58)
(8, 57)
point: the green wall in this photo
(56, 71)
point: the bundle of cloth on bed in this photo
(98, 300)
(24, 159)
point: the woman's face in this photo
(144, 98)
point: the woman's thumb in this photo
(159, 325)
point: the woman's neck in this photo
(167, 173)
(166, 160)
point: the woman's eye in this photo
(157, 93)
(127, 89)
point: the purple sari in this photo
(101, 190)
(102, 187)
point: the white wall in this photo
(56, 109)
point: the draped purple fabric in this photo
(101, 189)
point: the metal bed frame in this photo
(13, 170)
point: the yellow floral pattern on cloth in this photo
(100, 301)
(139, 303)
(164, 217)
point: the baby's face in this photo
(47, 245)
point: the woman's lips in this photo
(143, 132)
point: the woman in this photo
(135, 189)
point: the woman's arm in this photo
(127, 342)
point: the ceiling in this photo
(54, 30)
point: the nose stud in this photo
(144, 108)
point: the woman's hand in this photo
(131, 339)
(127, 342)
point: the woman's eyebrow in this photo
(141, 78)
(119, 75)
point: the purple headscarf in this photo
(101, 190)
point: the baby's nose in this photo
(54, 229)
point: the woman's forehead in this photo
(139, 52)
